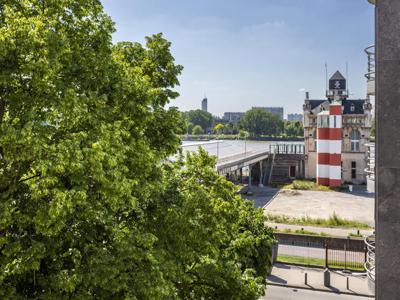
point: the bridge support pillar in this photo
(261, 174)
(250, 177)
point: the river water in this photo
(224, 148)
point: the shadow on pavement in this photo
(260, 195)
(276, 279)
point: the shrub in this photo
(197, 130)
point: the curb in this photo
(318, 290)
(272, 199)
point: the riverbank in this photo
(208, 137)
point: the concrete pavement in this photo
(294, 276)
(285, 293)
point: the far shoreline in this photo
(209, 137)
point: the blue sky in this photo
(254, 52)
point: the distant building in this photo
(233, 116)
(336, 135)
(204, 104)
(295, 117)
(273, 110)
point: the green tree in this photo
(231, 254)
(293, 129)
(257, 122)
(82, 130)
(89, 206)
(189, 127)
(228, 128)
(200, 117)
(243, 134)
(197, 130)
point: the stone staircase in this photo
(281, 168)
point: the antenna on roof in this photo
(347, 77)
(326, 78)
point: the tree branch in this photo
(29, 178)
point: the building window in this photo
(353, 170)
(355, 140)
(334, 121)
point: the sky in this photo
(246, 53)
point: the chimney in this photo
(307, 95)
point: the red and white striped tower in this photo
(329, 145)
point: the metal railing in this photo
(370, 169)
(287, 148)
(370, 51)
(370, 261)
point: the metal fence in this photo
(312, 253)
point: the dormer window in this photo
(352, 107)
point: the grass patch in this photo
(320, 262)
(302, 231)
(333, 221)
(308, 185)
(355, 235)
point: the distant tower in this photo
(204, 104)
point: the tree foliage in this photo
(257, 122)
(231, 251)
(199, 117)
(293, 129)
(88, 207)
(231, 128)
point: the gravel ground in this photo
(357, 206)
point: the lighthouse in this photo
(329, 134)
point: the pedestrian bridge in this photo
(235, 162)
(277, 163)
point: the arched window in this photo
(355, 140)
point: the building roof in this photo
(337, 76)
(358, 106)
(315, 103)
